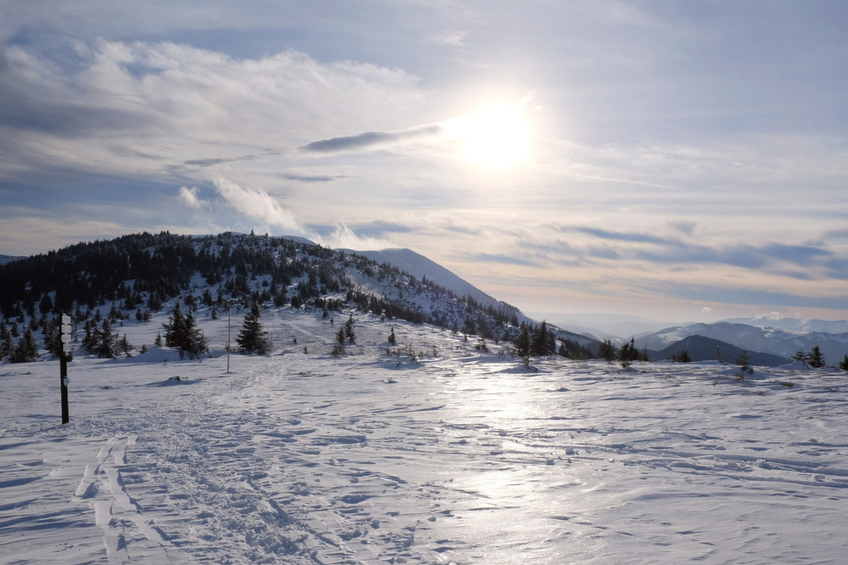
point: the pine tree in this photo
(844, 364)
(816, 358)
(26, 350)
(6, 347)
(252, 338)
(522, 342)
(182, 332)
(195, 341)
(606, 351)
(392, 338)
(107, 345)
(125, 346)
(348, 329)
(801, 355)
(175, 329)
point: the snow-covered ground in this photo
(457, 457)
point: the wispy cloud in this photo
(189, 196)
(345, 238)
(372, 139)
(259, 205)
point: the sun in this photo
(496, 136)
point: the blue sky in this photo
(678, 160)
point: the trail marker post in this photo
(67, 348)
(229, 323)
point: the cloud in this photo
(151, 108)
(345, 238)
(683, 226)
(452, 37)
(624, 236)
(259, 205)
(309, 178)
(503, 259)
(706, 310)
(371, 139)
(189, 196)
(379, 227)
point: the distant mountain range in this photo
(778, 342)
(702, 348)
(8, 259)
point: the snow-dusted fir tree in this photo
(182, 332)
(252, 338)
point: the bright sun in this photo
(496, 136)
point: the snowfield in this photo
(458, 456)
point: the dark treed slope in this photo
(702, 348)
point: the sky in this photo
(677, 160)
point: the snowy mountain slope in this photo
(459, 456)
(778, 342)
(795, 324)
(421, 267)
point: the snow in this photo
(456, 457)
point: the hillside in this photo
(134, 280)
(702, 348)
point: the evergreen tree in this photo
(195, 341)
(682, 357)
(26, 350)
(392, 338)
(5, 341)
(629, 352)
(744, 360)
(607, 351)
(522, 342)
(125, 346)
(801, 355)
(182, 332)
(540, 344)
(816, 358)
(252, 338)
(348, 329)
(175, 329)
(107, 345)
(843, 365)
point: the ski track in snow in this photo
(305, 459)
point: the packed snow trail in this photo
(462, 458)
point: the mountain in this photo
(423, 268)
(795, 324)
(144, 274)
(8, 259)
(616, 327)
(702, 348)
(783, 343)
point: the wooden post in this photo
(63, 371)
(67, 330)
